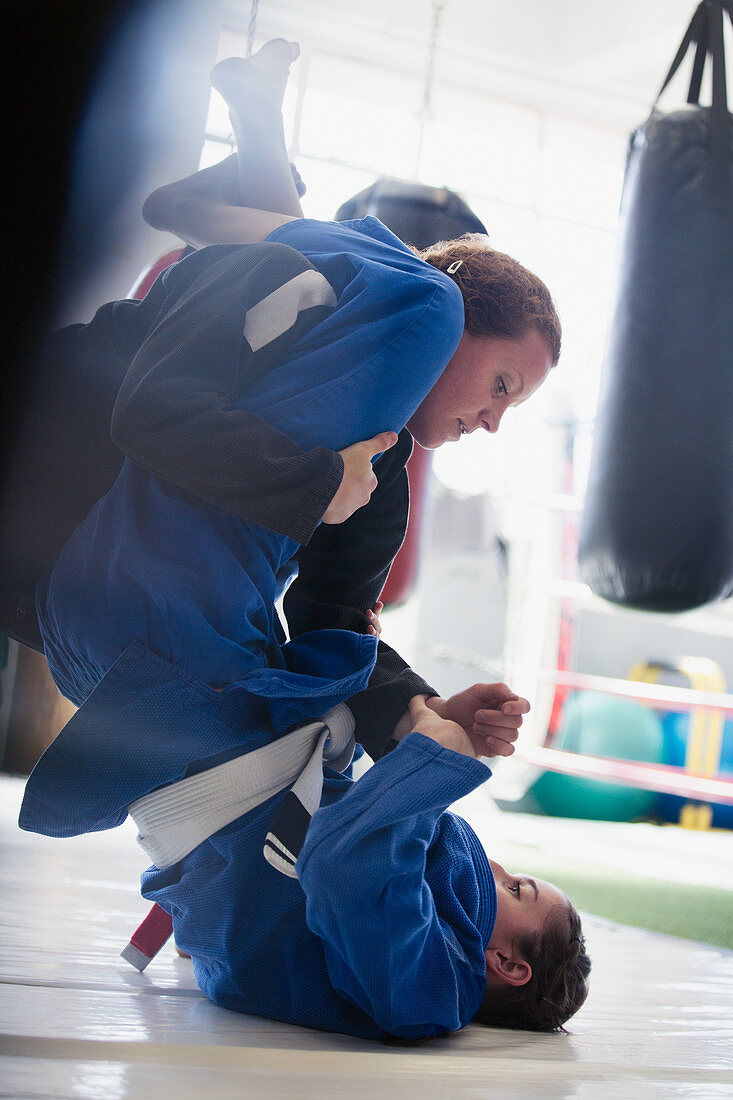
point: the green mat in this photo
(700, 913)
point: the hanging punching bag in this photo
(657, 529)
(421, 216)
(416, 213)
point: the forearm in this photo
(238, 463)
(342, 574)
(382, 710)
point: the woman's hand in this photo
(448, 734)
(359, 480)
(375, 627)
(490, 715)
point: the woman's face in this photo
(523, 905)
(486, 375)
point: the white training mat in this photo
(77, 1021)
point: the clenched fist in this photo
(490, 714)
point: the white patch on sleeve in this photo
(279, 311)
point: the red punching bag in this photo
(145, 280)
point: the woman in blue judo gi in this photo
(159, 620)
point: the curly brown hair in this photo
(559, 982)
(500, 297)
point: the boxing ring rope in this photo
(663, 778)
(658, 696)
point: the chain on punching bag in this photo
(657, 530)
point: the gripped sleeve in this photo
(174, 413)
(341, 575)
(388, 948)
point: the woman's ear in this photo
(506, 969)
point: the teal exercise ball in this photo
(599, 725)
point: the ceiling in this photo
(602, 56)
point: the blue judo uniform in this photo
(159, 618)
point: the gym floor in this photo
(79, 1022)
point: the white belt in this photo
(174, 820)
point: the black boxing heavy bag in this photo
(657, 529)
(417, 214)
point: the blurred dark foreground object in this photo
(97, 114)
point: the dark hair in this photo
(500, 297)
(559, 982)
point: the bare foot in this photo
(249, 85)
